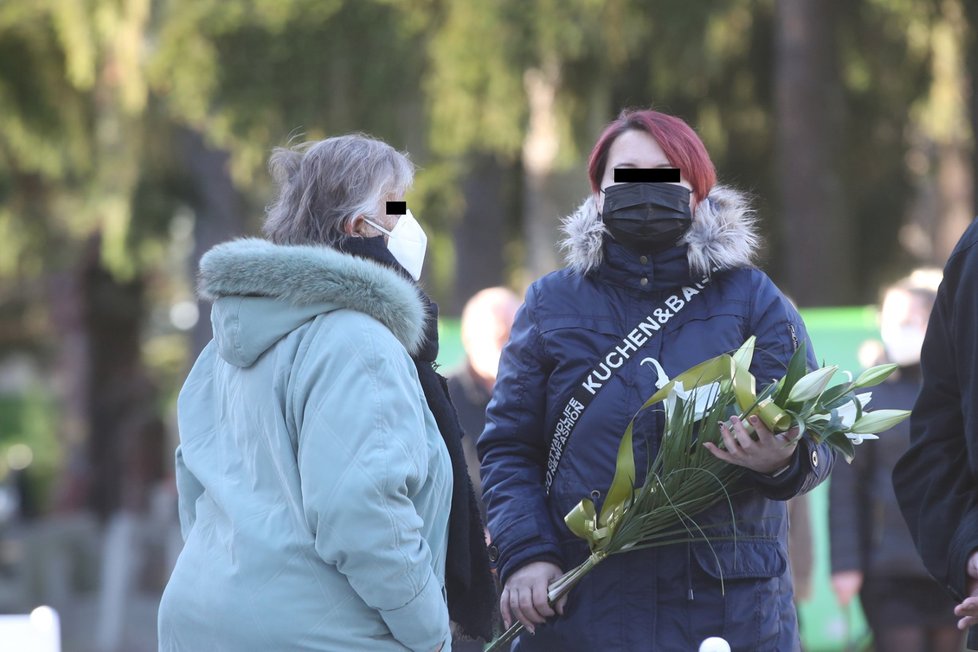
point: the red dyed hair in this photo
(678, 141)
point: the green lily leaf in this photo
(837, 395)
(796, 370)
(802, 426)
(841, 443)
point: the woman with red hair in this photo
(660, 277)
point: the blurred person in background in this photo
(486, 321)
(872, 552)
(682, 253)
(323, 494)
(800, 553)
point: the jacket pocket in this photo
(757, 609)
(741, 559)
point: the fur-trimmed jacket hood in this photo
(263, 291)
(723, 234)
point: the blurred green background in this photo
(134, 136)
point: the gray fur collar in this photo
(723, 235)
(306, 275)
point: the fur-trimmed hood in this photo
(263, 291)
(723, 234)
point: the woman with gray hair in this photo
(323, 495)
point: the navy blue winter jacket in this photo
(936, 480)
(668, 598)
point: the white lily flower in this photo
(848, 411)
(703, 398)
(858, 437)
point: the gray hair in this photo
(325, 184)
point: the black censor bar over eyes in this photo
(646, 175)
(398, 207)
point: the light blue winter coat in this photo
(314, 485)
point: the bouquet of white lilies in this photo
(684, 479)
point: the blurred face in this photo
(486, 331)
(486, 345)
(636, 149)
(903, 323)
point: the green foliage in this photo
(474, 85)
(303, 69)
(45, 122)
(31, 419)
(94, 95)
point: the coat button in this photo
(493, 554)
(814, 459)
(644, 282)
(644, 260)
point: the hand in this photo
(846, 585)
(524, 597)
(767, 454)
(968, 609)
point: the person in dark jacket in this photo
(683, 259)
(936, 480)
(486, 321)
(872, 553)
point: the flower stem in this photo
(557, 589)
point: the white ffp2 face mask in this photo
(407, 242)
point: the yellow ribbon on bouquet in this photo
(598, 529)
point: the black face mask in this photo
(647, 217)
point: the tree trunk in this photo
(540, 208)
(65, 300)
(955, 170)
(818, 244)
(971, 71)
(955, 206)
(218, 215)
(126, 438)
(113, 436)
(481, 236)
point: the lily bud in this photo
(879, 420)
(743, 356)
(874, 375)
(811, 385)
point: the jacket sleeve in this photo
(513, 450)
(936, 488)
(362, 452)
(189, 490)
(780, 330)
(849, 512)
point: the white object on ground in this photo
(38, 632)
(714, 644)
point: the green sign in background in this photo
(837, 334)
